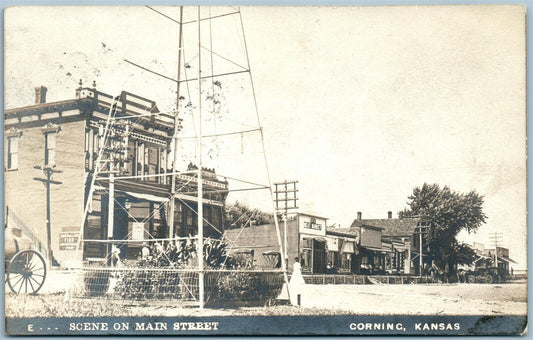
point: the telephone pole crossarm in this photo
(286, 199)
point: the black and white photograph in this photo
(265, 170)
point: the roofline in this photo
(338, 233)
(38, 106)
(97, 98)
(310, 215)
(371, 227)
(386, 219)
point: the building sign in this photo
(204, 181)
(370, 237)
(68, 241)
(311, 224)
(137, 231)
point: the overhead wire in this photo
(278, 234)
(213, 84)
(260, 129)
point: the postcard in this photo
(184, 170)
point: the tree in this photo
(238, 214)
(448, 212)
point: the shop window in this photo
(333, 261)
(152, 163)
(177, 219)
(50, 132)
(245, 258)
(306, 258)
(12, 152)
(217, 218)
(50, 149)
(307, 243)
(346, 261)
(92, 140)
(191, 223)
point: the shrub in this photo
(149, 283)
(245, 288)
(96, 282)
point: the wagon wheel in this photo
(26, 272)
(471, 278)
(489, 278)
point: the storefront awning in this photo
(399, 248)
(506, 259)
(481, 257)
(332, 243)
(377, 249)
(387, 247)
(316, 238)
(348, 247)
(147, 197)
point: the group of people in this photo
(160, 253)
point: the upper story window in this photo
(50, 133)
(12, 136)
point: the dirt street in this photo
(452, 299)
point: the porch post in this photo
(111, 212)
(407, 260)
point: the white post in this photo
(496, 253)
(407, 260)
(286, 240)
(111, 211)
(420, 255)
(200, 184)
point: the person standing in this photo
(296, 284)
(145, 252)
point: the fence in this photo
(519, 274)
(366, 279)
(222, 287)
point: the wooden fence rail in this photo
(337, 279)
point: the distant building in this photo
(486, 257)
(399, 247)
(308, 239)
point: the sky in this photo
(359, 104)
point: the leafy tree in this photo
(238, 214)
(449, 212)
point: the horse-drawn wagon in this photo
(25, 267)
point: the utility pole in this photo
(48, 171)
(286, 199)
(116, 149)
(495, 238)
(201, 287)
(421, 230)
(177, 128)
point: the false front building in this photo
(306, 238)
(402, 247)
(63, 140)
